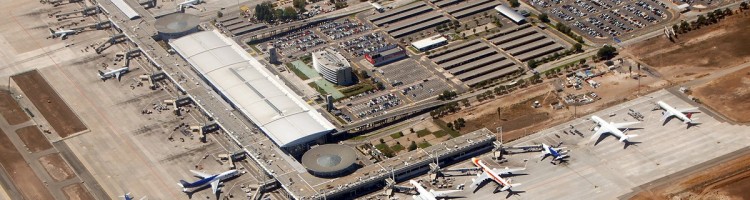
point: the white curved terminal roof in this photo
(252, 89)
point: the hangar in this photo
(250, 88)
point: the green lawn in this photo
(320, 90)
(397, 148)
(385, 150)
(356, 89)
(423, 132)
(424, 145)
(297, 71)
(447, 130)
(397, 135)
(440, 133)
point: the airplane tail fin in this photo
(183, 184)
(101, 73)
(689, 115)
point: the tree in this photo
(582, 61)
(264, 12)
(727, 12)
(363, 74)
(684, 26)
(219, 14)
(450, 125)
(676, 28)
(380, 86)
(606, 52)
(514, 3)
(382, 140)
(701, 21)
(577, 47)
(544, 18)
(743, 5)
(289, 13)
(412, 146)
(532, 63)
(300, 5)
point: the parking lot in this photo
(413, 21)
(299, 42)
(474, 61)
(603, 19)
(340, 29)
(361, 45)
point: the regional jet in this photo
(556, 154)
(493, 174)
(429, 195)
(208, 179)
(683, 114)
(613, 128)
(62, 33)
(116, 73)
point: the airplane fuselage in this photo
(207, 181)
(551, 151)
(675, 112)
(606, 125)
(423, 193)
(494, 176)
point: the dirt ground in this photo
(52, 107)
(729, 95)
(698, 52)
(20, 173)
(727, 180)
(33, 138)
(77, 192)
(56, 167)
(10, 110)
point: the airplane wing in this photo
(215, 186)
(442, 193)
(623, 125)
(467, 169)
(507, 170)
(480, 178)
(63, 35)
(416, 197)
(117, 75)
(598, 133)
(200, 174)
(666, 116)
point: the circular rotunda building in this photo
(330, 160)
(176, 25)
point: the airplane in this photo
(62, 33)
(429, 195)
(128, 197)
(683, 114)
(554, 152)
(613, 128)
(189, 3)
(208, 179)
(116, 73)
(493, 174)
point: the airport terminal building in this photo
(253, 90)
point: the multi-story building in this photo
(386, 55)
(333, 66)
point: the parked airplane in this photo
(128, 197)
(189, 3)
(116, 73)
(429, 195)
(554, 152)
(62, 33)
(683, 114)
(611, 127)
(493, 174)
(208, 179)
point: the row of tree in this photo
(457, 124)
(266, 12)
(710, 18)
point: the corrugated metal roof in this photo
(254, 90)
(125, 8)
(510, 13)
(421, 44)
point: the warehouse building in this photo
(251, 89)
(386, 55)
(333, 66)
(430, 43)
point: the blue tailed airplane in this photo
(207, 179)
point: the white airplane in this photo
(429, 195)
(62, 33)
(554, 152)
(493, 174)
(683, 114)
(611, 127)
(116, 73)
(208, 179)
(128, 197)
(189, 3)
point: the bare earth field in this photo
(20, 173)
(698, 52)
(33, 138)
(56, 167)
(726, 180)
(10, 110)
(77, 192)
(730, 95)
(52, 107)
